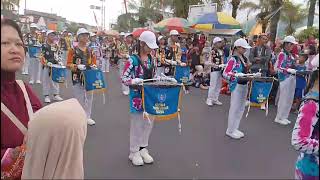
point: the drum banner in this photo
(94, 80)
(182, 74)
(260, 92)
(162, 103)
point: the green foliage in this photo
(292, 14)
(307, 32)
(72, 27)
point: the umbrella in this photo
(112, 33)
(217, 20)
(180, 24)
(138, 31)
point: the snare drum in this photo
(260, 89)
(94, 80)
(182, 74)
(59, 73)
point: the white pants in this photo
(159, 71)
(85, 98)
(25, 68)
(215, 85)
(140, 130)
(64, 57)
(124, 88)
(36, 68)
(105, 64)
(48, 84)
(237, 107)
(286, 96)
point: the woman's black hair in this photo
(13, 24)
(313, 78)
(312, 50)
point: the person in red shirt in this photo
(16, 97)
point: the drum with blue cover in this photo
(59, 73)
(94, 80)
(182, 74)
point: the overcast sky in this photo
(79, 11)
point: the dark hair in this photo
(313, 50)
(314, 76)
(13, 24)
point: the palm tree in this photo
(292, 14)
(311, 12)
(275, 6)
(263, 6)
(235, 6)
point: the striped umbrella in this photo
(180, 24)
(217, 20)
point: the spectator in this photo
(55, 142)
(18, 97)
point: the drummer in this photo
(96, 48)
(285, 65)
(216, 62)
(33, 44)
(50, 55)
(237, 66)
(173, 56)
(161, 55)
(137, 68)
(81, 55)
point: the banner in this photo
(94, 80)
(182, 74)
(161, 102)
(260, 91)
(59, 74)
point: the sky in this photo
(79, 10)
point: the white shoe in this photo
(217, 102)
(91, 122)
(136, 159)
(57, 98)
(209, 102)
(25, 73)
(233, 135)
(241, 134)
(247, 103)
(263, 106)
(38, 82)
(287, 121)
(47, 99)
(126, 93)
(31, 82)
(280, 121)
(146, 156)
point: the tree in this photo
(235, 6)
(292, 14)
(275, 6)
(311, 12)
(264, 8)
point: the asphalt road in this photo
(201, 151)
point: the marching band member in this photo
(96, 48)
(49, 56)
(173, 56)
(286, 74)
(161, 56)
(34, 46)
(216, 63)
(305, 134)
(81, 55)
(125, 51)
(137, 68)
(64, 46)
(237, 66)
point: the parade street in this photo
(201, 151)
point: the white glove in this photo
(173, 80)
(257, 74)
(60, 63)
(174, 63)
(165, 78)
(291, 71)
(93, 66)
(183, 64)
(222, 65)
(49, 64)
(136, 81)
(239, 75)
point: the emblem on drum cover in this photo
(167, 70)
(98, 75)
(162, 97)
(137, 103)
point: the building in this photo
(10, 9)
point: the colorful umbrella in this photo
(137, 32)
(218, 20)
(179, 24)
(112, 33)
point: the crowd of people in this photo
(215, 64)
